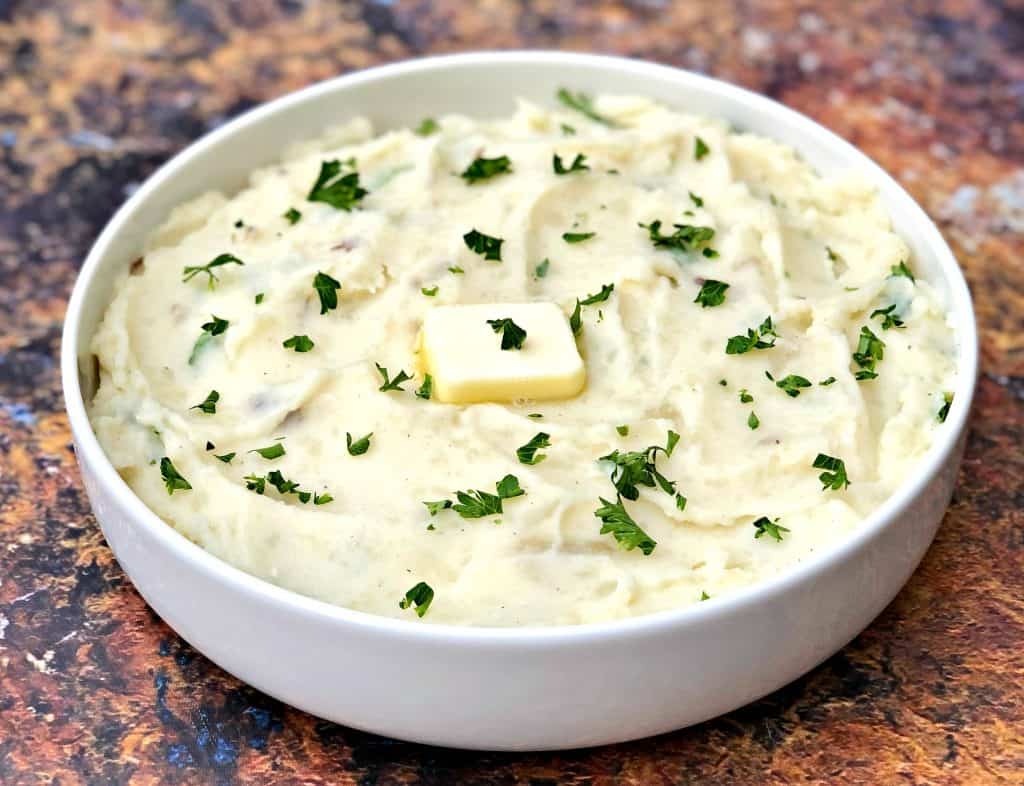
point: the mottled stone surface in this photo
(95, 94)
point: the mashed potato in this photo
(762, 366)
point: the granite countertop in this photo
(95, 95)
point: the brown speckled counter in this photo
(95, 94)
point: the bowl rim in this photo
(90, 453)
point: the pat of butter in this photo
(463, 354)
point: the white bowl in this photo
(525, 688)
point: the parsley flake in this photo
(600, 297)
(225, 457)
(259, 298)
(584, 104)
(902, 270)
(475, 504)
(486, 168)
(327, 290)
(425, 390)
(615, 519)
(577, 237)
(745, 396)
(427, 127)
(455, 270)
(298, 343)
(870, 349)
(337, 186)
(527, 454)
(173, 479)
(271, 452)
(220, 260)
(430, 292)
(755, 339)
(485, 245)
(697, 201)
(579, 164)
(700, 148)
(834, 476)
(623, 430)
(889, 320)
(359, 446)
(438, 505)
(292, 216)
(542, 269)
(712, 293)
(772, 529)
(828, 381)
(512, 336)
(391, 384)
(576, 319)
(792, 384)
(215, 327)
(753, 421)
(420, 597)
(638, 468)
(209, 405)
(947, 402)
(686, 237)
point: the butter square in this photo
(463, 354)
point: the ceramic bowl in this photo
(522, 688)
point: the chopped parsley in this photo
(486, 168)
(697, 201)
(766, 526)
(485, 245)
(584, 104)
(455, 270)
(792, 384)
(947, 402)
(577, 237)
(437, 506)
(834, 476)
(259, 298)
(338, 185)
(298, 343)
(579, 164)
(512, 336)
(220, 260)
(889, 320)
(391, 384)
(686, 237)
(527, 454)
(359, 446)
(271, 452)
(225, 457)
(172, 478)
(745, 396)
(628, 534)
(700, 148)
(576, 319)
(420, 597)
(638, 468)
(327, 290)
(902, 270)
(535, 415)
(427, 127)
(832, 255)
(542, 269)
(828, 381)
(209, 405)
(600, 297)
(753, 421)
(623, 430)
(275, 478)
(704, 595)
(475, 504)
(425, 390)
(430, 292)
(870, 349)
(292, 216)
(567, 129)
(712, 293)
(755, 339)
(215, 327)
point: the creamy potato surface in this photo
(762, 365)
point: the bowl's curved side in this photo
(507, 689)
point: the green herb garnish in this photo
(583, 104)
(567, 129)
(600, 297)
(218, 261)
(298, 343)
(479, 243)
(627, 533)
(638, 468)
(275, 478)
(420, 596)
(215, 327)
(870, 349)
(578, 164)
(828, 381)
(292, 216)
(271, 452)
(475, 504)
(542, 269)
(947, 402)
(357, 447)
(576, 319)
(902, 270)
(327, 290)
(704, 595)
(430, 292)
(834, 476)
(225, 457)
(766, 526)
(832, 255)
(712, 293)
(172, 478)
(745, 396)
(337, 186)
(577, 237)
(259, 298)
(486, 168)
(686, 237)
(889, 320)
(391, 384)
(427, 127)
(438, 505)
(753, 421)
(792, 384)
(697, 201)
(623, 430)
(527, 454)
(209, 405)
(455, 270)
(762, 338)
(512, 336)
(425, 390)
(700, 148)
